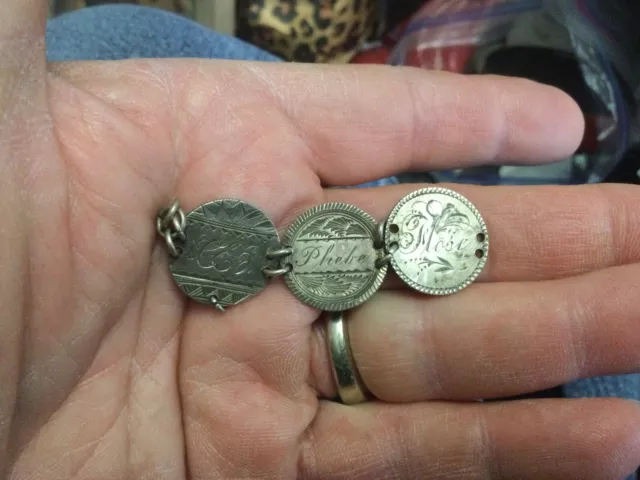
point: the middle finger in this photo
(537, 233)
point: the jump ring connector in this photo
(277, 272)
(170, 225)
(379, 240)
(168, 238)
(167, 214)
(279, 253)
(178, 222)
(382, 261)
(216, 303)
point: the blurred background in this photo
(217, 14)
(588, 48)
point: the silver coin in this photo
(225, 251)
(333, 264)
(438, 241)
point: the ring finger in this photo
(491, 340)
(543, 439)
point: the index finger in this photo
(362, 123)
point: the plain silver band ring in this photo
(350, 386)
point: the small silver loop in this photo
(168, 238)
(178, 222)
(382, 261)
(170, 224)
(167, 214)
(216, 303)
(379, 240)
(279, 253)
(277, 272)
(159, 228)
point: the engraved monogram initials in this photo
(229, 258)
(224, 254)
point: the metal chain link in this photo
(170, 224)
(379, 244)
(279, 269)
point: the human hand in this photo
(108, 371)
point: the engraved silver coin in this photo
(333, 260)
(438, 241)
(224, 252)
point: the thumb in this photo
(22, 24)
(22, 49)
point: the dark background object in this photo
(548, 66)
(562, 70)
(399, 11)
(628, 169)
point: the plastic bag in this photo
(584, 47)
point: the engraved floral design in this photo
(426, 221)
(343, 285)
(456, 238)
(333, 257)
(334, 225)
(445, 265)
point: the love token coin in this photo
(438, 241)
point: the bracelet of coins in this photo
(333, 257)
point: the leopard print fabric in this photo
(319, 31)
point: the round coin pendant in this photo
(333, 264)
(225, 251)
(437, 240)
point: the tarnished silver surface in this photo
(351, 388)
(333, 258)
(437, 240)
(170, 223)
(224, 253)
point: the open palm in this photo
(108, 371)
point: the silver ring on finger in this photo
(351, 388)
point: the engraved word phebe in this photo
(336, 255)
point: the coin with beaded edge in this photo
(333, 264)
(438, 241)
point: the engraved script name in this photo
(434, 227)
(448, 243)
(335, 256)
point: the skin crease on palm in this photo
(108, 372)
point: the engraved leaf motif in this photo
(333, 226)
(332, 286)
(357, 229)
(445, 262)
(451, 217)
(337, 224)
(445, 265)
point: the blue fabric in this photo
(124, 31)
(116, 32)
